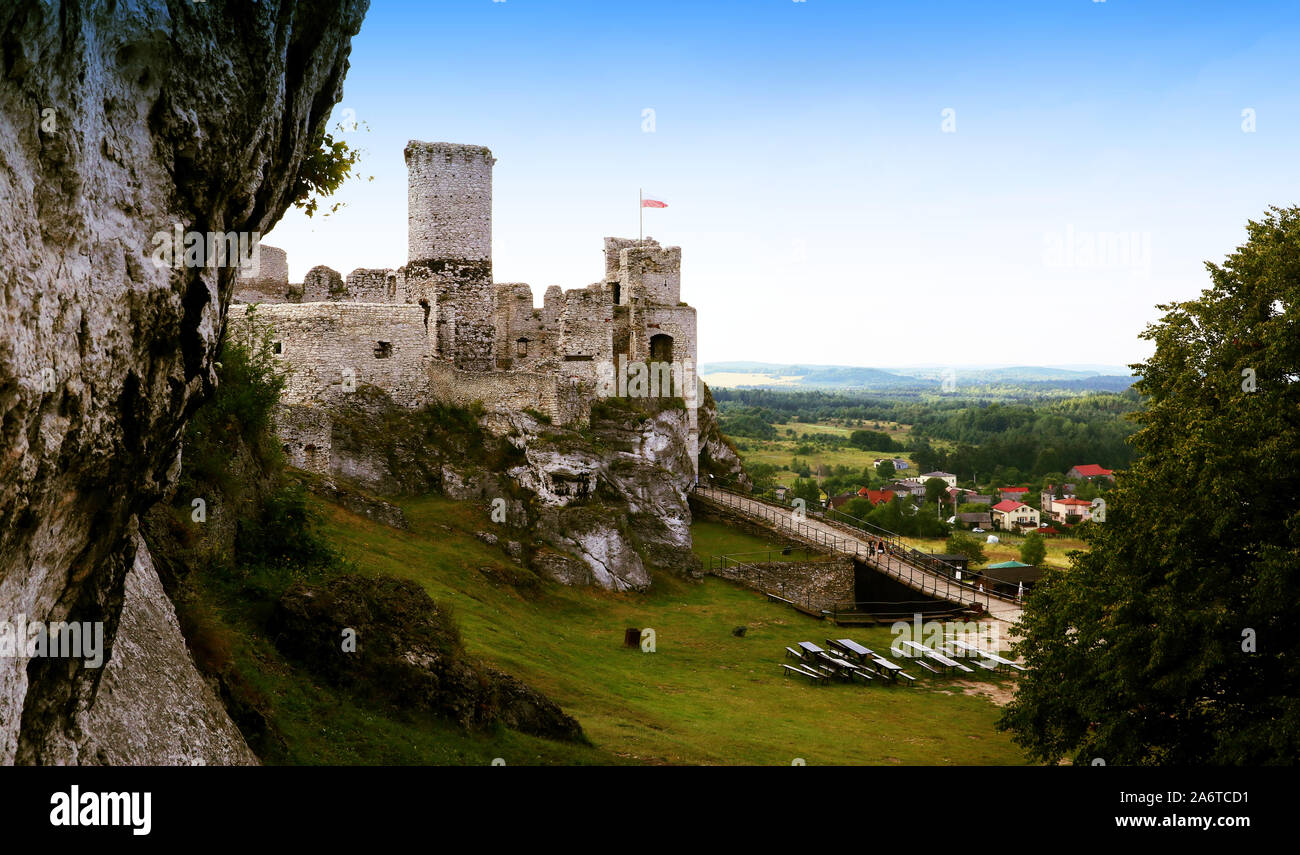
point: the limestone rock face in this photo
(717, 456)
(602, 506)
(152, 706)
(614, 499)
(119, 124)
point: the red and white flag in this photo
(652, 202)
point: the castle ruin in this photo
(441, 329)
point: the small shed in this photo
(1007, 576)
(955, 559)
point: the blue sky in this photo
(829, 210)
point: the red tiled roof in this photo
(1008, 505)
(877, 497)
(1071, 502)
(1013, 489)
(1090, 470)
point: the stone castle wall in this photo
(372, 286)
(330, 348)
(322, 284)
(305, 433)
(270, 284)
(441, 328)
(559, 398)
(651, 273)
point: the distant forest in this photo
(1020, 440)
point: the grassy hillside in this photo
(706, 696)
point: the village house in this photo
(1049, 492)
(1061, 509)
(946, 477)
(1010, 514)
(1090, 471)
(836, 502)
(908, 486)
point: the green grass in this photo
(781, 451)
(1008, 547)
(705, 697)
(710, 538)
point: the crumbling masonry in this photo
(440, 328)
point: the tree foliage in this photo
(963, 543)
(1174, 640)
(1033, 549)
(324, 170)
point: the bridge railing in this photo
(896, 609)
(779, 555)
(886, 550)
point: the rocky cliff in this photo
(120, 121)
(604, 506)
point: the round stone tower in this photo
(449, 202)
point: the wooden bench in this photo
(792, 653)
(816, 678)
(950, 664)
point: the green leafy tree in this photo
(1033, 550)
(936, 490)
(961, 543)
(870, 440)
(806, 489)
(1176, 643)
(324, 170)
(763, 476)
(860, 508)
(886, 470)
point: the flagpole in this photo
(640, 214)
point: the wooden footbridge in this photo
(877, 548)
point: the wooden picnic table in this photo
(851, 648)
(809, 647)
(936, 656)
(867, 656)
(992, 656)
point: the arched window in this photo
(661, 348)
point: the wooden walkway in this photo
(913, 568)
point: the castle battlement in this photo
(440, 328)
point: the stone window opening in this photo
(383, 349)
(661, 353)
(277, 347)
(661, 348)
(521, 348)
